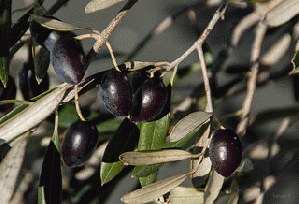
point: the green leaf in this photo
(96, 5)
(10, 168)
(186, 195)
(124, 139)
(213, 188)
(153, 191)
(51, 179)
(152, 137)
(41, 195)
(109, 171)
(19, 28)
(188, 124)
(54, 24)
(41, 58)
(295, 62)
(4, 67)
(143, 158)
(31, 116)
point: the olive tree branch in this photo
(218, 14)
(105, 34)
(251, 84)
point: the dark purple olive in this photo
(28, 83)
(115, 93)
(67, 56)
(149, 100)
(7, 93)
(225, 152)
(66, 53)
(79, 143)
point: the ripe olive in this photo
(28, 83)
(149, 100)
(115, 93)
(7, 93)
(79, 143)
(225, 151)
(66, 53)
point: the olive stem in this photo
(218, 14)
(77, 103)
(112, 56)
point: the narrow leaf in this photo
(109, 171)
(4, 69)
(282, 13)
(55, 24)
(41, 196)
(188, 124)
(142, 171)
(51, 179)
(213, 187)
(32, 115)
(96, 5)
(152, 191)
(186, 195)
(140, 158)
(10, 168)
(295, 62)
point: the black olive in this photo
(66, 53)
(67, 56)
(79, 143)
(115, 93)
(149, 100)
(28, 83)
(225, 152)
(7, 93)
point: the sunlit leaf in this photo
(96, 5)
(152, 191)
(188, 124)
(55, 24)
(143, 158)
(186, 195)
(214, 186)
(32, 115)
(41, 195)
(110, 170)
(283, 12)
(10, 168)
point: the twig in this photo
(209, 106)
(112, 56)
(105, 34)
(251, 84)
(77, 103)
(218, 14)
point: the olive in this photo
(225, 151)
(28, 83)
(115, 93)
(7, 93)
(66, 53)
(149, 100)
(79, 143)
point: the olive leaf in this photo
(55, 24)
(188, 124)
(214, 186)
(10, 168)
(153, 191)
(32, 115)
(109, 171)
(144, 158)
(283, 12)
(295, 61)
(186, 195)
(96, 5)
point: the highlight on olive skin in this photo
(66, 53)
(225, 152)
(79, 143)
(115, 93)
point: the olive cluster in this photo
(142, 98)
(79, 143)
(225, 151)
(66, 53)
